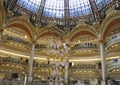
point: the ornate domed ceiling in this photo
(65, 13)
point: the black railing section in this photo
(42, 65)
(83, 66)
(6, 37)
(85, 45)
(40, 46)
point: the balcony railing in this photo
(18, 82)
(11, 60)
(40, 46)
(113, 39)
(6, 37)
(85, 66)
(113, 64)
(84, 46)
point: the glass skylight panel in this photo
(31, 5)
(54, 8)
(102, 3)
(79, 8)
(37, 2)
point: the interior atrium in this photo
(59, 42)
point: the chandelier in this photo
(57, 53)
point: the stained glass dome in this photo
(65, 11)
(56, 8)
(31, 5)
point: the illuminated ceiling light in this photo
(11, 43)
(72, 64)
(23, 72)
(7, 64)
(39, 76)
(89, 50)
(44, 50)
(79, 41)
(77, 51)
(118, 69)
(20, 66)
(90, 71)
(112, 46)
(12, 65)
(26, 36)
(113, 70)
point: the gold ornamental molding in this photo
(21, 23)
(83, 27)
(50, 29)
(109, 23)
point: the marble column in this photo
(79, 82)
(103, 67)
(92, 82)
(66, 72)
(30, 70)
(25, 79)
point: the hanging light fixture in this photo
(57, 53)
